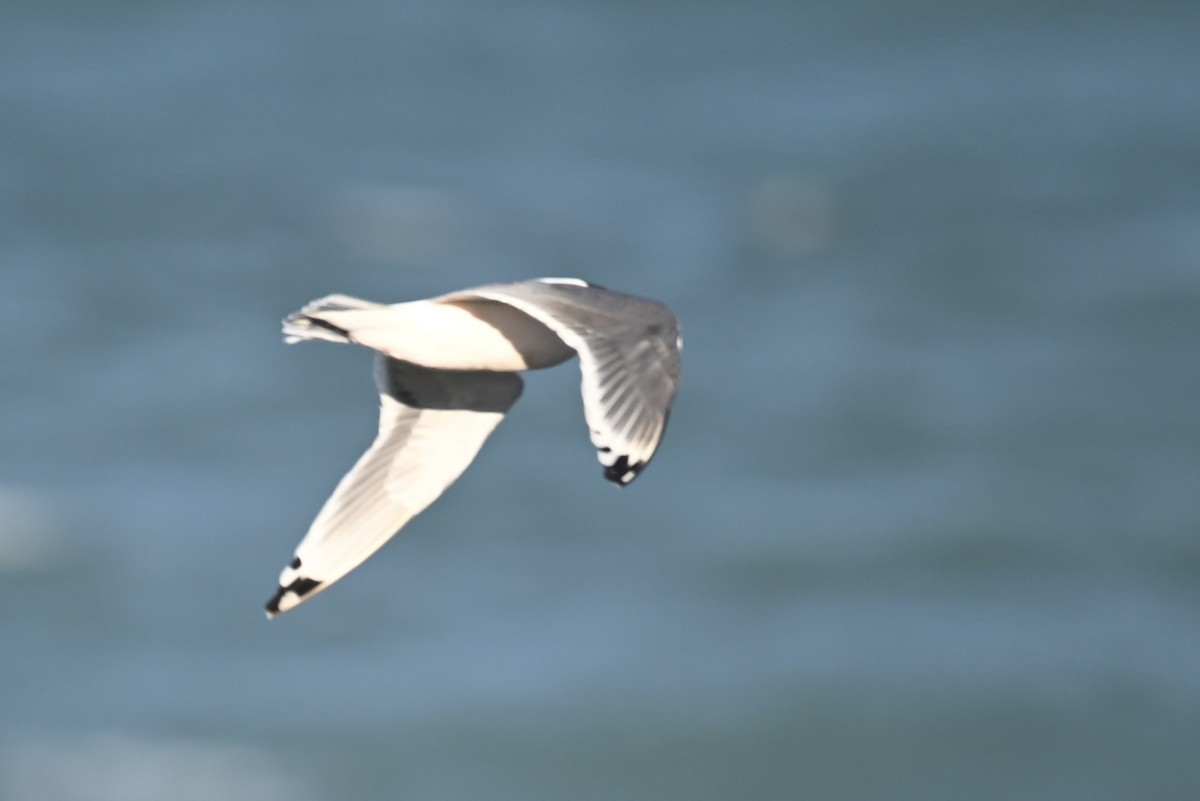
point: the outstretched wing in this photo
(629, 353)
(432, 423)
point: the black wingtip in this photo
(621, 471)
(286, 598)
(273, 604)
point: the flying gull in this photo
(447, 372)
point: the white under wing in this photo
(628, 354)
(419, 452)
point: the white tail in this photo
(309, 323)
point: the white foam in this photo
(120, 767)
(28, 536)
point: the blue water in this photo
(926, 523)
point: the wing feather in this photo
(629, 355)
(432, 423)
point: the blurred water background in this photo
(927, 521)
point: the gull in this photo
(447, 372)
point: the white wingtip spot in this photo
(282, 602)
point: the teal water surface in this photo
(925, 525)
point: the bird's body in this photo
(447, 371)
(464, 335)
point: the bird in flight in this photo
(447, 369)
